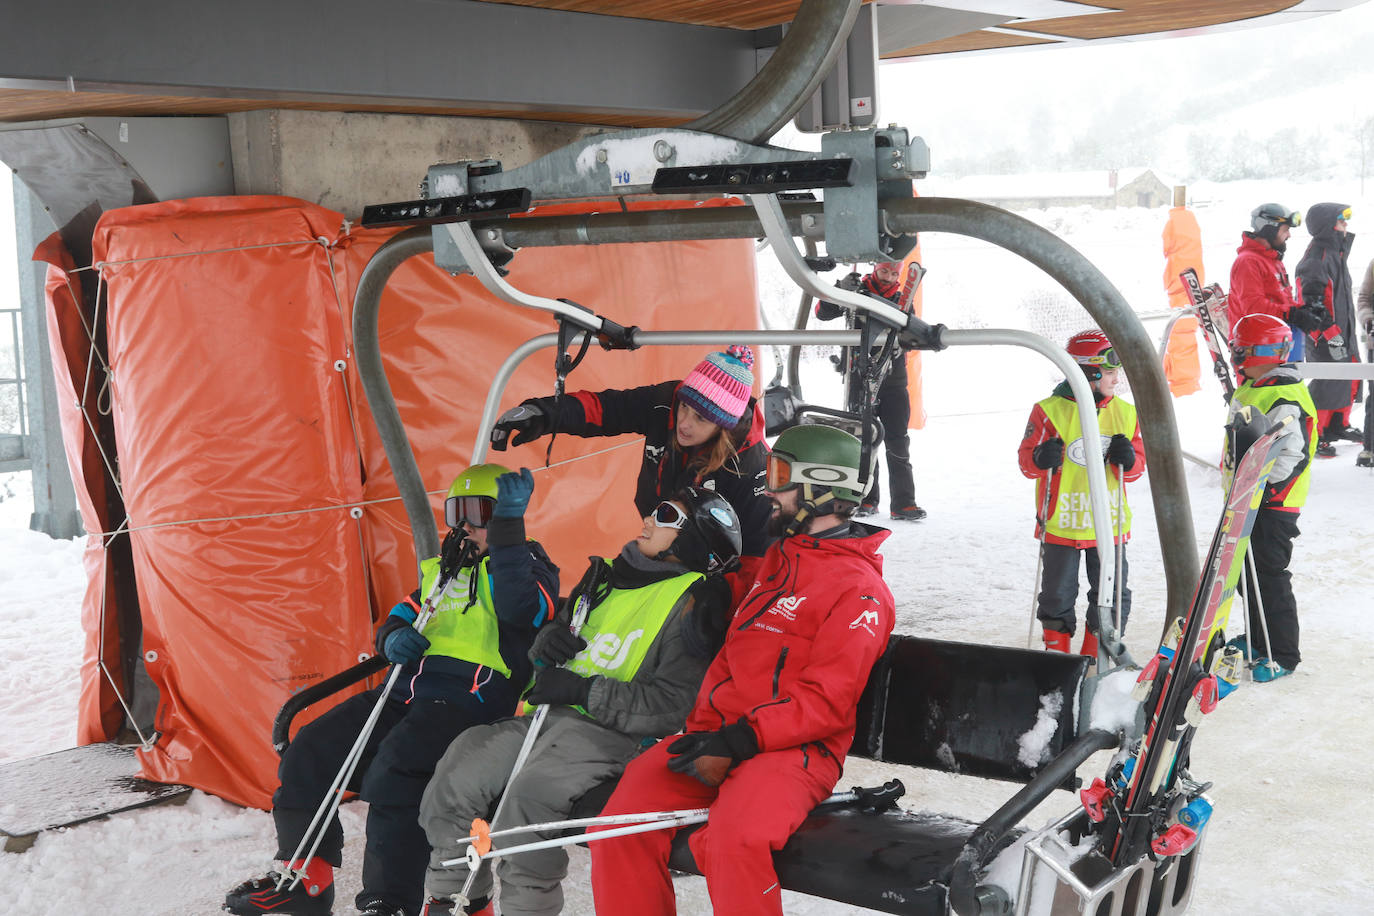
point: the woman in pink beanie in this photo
(702, 431)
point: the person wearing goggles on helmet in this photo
(1259, 281)
(1054, 455)
(465, 668)
(1271, 390)
(627, 677)
(1326, 285)
(775, 715)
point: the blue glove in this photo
(513, 494)
(404, 645)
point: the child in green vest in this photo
(1260, 344)
(466, 667)
(657, 616)
(1066, 528)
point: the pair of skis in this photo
(1207, 305)
(1149, 803)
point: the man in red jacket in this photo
(775, 715)
(1259, 281)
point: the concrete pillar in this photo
(54, 499)
(346, 160)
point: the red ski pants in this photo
(760, 804)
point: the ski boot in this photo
(909, 514)
(313, 896)
(1058, 641)
(1325, 449)
(865, 510)
(381, 908)
(1365, 459)
(1266, 671)
(1349, 434)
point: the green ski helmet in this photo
(472, 496)
(824, 463)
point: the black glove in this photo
(1309, 319)
(555, 644)
(559, 687)
(708, 756)
(852, 281)
(1243, 430)
(528, 421)
(1049, 454)
(1121, 452)
(400, 642)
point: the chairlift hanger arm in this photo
(911, 329)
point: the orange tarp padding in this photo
(1182, 249)
(99, 715)
(250, 466)
(913, 359)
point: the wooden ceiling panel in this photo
(1142, 17)
(729, 14)
(970, 41)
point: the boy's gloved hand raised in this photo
(1049, 454)
(1121, 452)
(513, 494)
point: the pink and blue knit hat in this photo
(720, 386)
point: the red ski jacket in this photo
(1259, 282)
(802, 643)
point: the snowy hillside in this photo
(1289, 835)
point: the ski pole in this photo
(1259, 602)
(482, 832)
(664, 820)
(1120, 551)
(1042, 523)
(579, 615)
(329, 805)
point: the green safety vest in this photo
(1263, 399)
(620, 630)
(1072, 515)
(459, 630)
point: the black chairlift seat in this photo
(947, 706)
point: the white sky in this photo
(1018, 97)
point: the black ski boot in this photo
(260, 895)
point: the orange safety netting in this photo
(1182, 240)
(266, 530)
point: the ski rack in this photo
(1158, 887)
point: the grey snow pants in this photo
(571, 755)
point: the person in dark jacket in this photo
(776, 712)
(1325, 283)
(1259, 281)
(625, 679)
(466, 667)
(892, 403)
(702, 431)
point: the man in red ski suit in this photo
(1259, 281)
(775, 715)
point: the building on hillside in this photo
(1106, 189)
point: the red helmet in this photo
(1260, 340)
(1094, 352)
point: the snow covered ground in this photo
(1290, 834)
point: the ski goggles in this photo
(785, 472)
(474, 510)
(1343, 215)
(1107, 358)
(669, 515)
(1279, 350)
